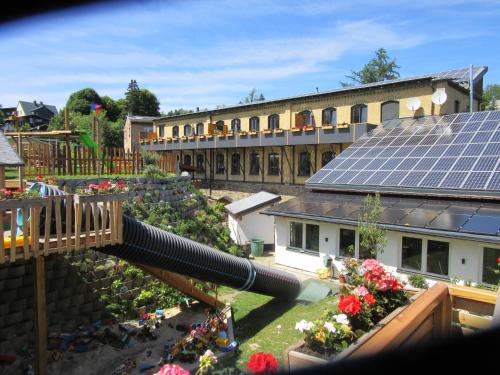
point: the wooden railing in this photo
(69, 222)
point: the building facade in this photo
(439, 182)
(285, 141)
(135, 129)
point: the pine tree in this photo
(380, 68)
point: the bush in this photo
(152, 171)
(151, 158)
(418, 281)
(146, 297)
(134, 273)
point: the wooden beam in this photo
(182, 284)
(40, 317)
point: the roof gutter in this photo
(398, 228)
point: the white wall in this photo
(251, 226)
(470, 251)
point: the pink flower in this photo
(172, 370)
(361, 291)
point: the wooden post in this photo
(40, 317)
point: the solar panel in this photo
(450, 152)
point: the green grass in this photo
(266, 324)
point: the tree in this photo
(177, 112)
(1, 115)
(81, 100)
(141, 102)
(372, 237)
(490, 96)
(123, 105)
(380, 68)
(111, 107)
(253, 97)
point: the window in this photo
(219, 126)
(437, 257)
(188, 130)
(273, 164)
(457, 106)
(312, 237)
(389, 110)
(326, 157)
(254, 163)
(200, 162)
(347, 242)
(296, 235)
(219, 164)
(359, 113)
(187, 159)
(304, 164)
(235, 125)
(161, 131)
(273, 122)
(490, 266)
(175, 131)
(254, 124)
(329, 116)
(200, 128)
(235, 164)
(411, 253)
(304, 118)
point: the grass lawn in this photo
(266, 324)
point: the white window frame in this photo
(423, 269)
(481, 259)
(303, 248)
(356, 242)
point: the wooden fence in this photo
(69, 222)
(58, 159)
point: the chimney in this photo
(197, 109)
(34, 102)
(41, 103)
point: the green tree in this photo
(123, 105)
(380, 68)
(372, 237)
(1, 115)
(490, 96)
(81, 100)
(253, 97)
(133, 97)
(113, 110)
(141, 102)
(176, 112)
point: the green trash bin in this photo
(257, 247)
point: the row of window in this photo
(359, 113)
(417, 254)
(273, 163)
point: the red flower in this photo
(40, 178)
(498, 260)
(104, 184)
(350, 305)
(262, 363)
(370, 299)
(121, 182)
(388, 282)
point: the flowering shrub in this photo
(47, 180)
(17, 194)
(262, 363)
(172, 370)
(207, 362)
(105, 187)
(370, 294)
(330, 333)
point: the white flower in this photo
(330, 327)
(304, 325)
(342, 319)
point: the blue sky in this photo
(208, 53)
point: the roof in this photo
(8, 156)
(252, 203)
(459, 76)
(456, 154)
(141, 118)
(29, 107)
(440, 217)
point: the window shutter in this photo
(225, 129)
(211, 128)
(299, 120)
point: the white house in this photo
(439, 180)
(246, 222)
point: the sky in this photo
(208, 53)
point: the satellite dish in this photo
(413, 104)
(439, 97)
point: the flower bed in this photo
(367, 304)
(105, 187)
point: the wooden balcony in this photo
(59, 224)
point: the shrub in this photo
(134, 273)
(418, 281)
(152, 171)
(146, 297)
(151, 158)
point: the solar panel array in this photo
(458, 151)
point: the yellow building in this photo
(285, 141)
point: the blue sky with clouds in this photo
(208, 53)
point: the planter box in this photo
(426, 316)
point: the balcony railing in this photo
(278, 137)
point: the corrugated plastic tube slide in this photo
(148, 245)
